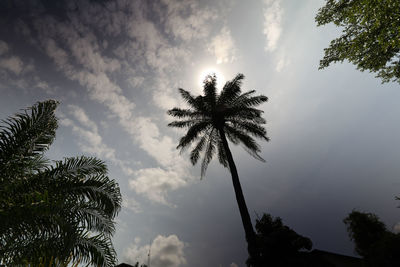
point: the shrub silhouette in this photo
(279, 244)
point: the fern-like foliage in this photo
(231, 113)
(51, 214)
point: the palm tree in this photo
(213, 118)
(52, 213)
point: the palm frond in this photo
(195, 154)
(29, 133)
(85, 177)
(248, 142)
(250, 127)
(184, 113)
(243, 113)
(231, 90)
(185, 123)
(97, 250)
(92, 218)
(253, 101)
(221, 154)
(194, 102)
(193, 132)
(98, 189)
(209, 152)
(78, 166)
(44, 210)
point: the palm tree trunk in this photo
(244, 213)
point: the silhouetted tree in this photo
(377, 245)
(212, 119)
(279, 244)
(52, 213)
(371, 35)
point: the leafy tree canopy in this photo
(370, 38)
(377, 245)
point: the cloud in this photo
(233, 265)
(149, 57)
(282, 63)
(90, 140)
(13, 64)
(272, 23)
(142, 129)
(223, 47)
(3, 47)
(57, 54)
(154, 183)
(187, 20)
(43, 85)
(157, 145)
(165, 251)
(131, 204)
(164, 98)
(82, 117)
(14, 70)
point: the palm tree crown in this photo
(231, 112)
(49, 213)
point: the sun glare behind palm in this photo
(209, 71)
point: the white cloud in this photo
(160, 147)
(3, 47)
(223, 47)
(43, 85)
(164, 99)
(154, 183)
(154, 50)
(131, 204)
(58, 55)
(143, 131)
(165, 251)
(273, 13)
(90, 139)
(82, 117)
(12, 63)
(282, 63)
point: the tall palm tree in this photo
(214, 118)
(52, 213)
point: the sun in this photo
(207, 71)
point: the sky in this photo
(115, 67)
